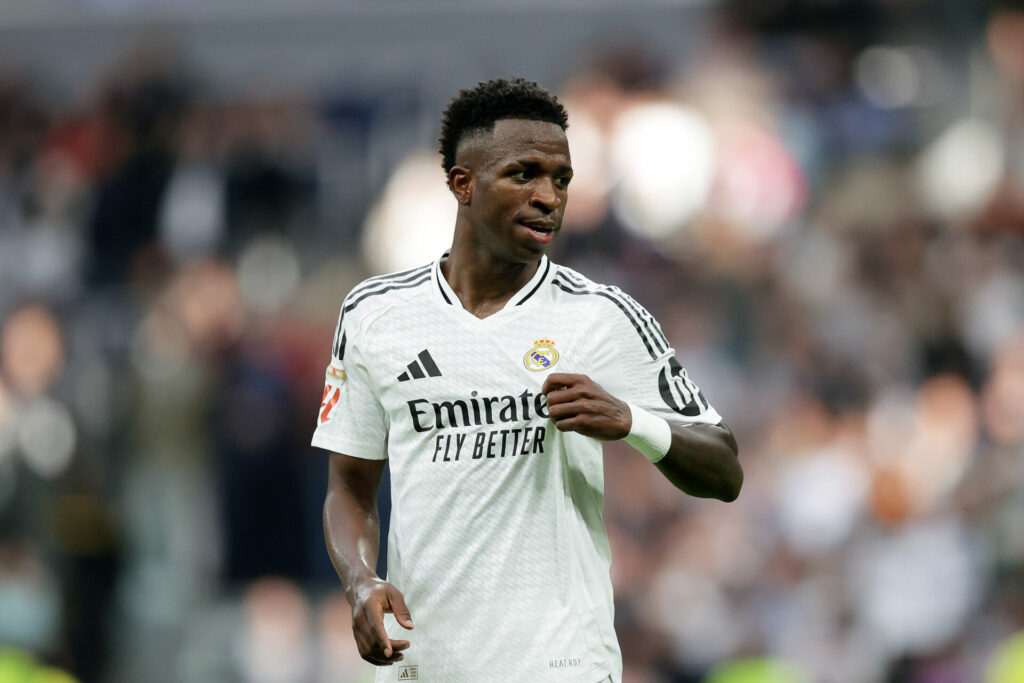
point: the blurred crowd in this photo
(824, 209)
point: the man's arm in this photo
(351, 531)
(701, 460)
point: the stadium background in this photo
(821, 200)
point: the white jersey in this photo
(497, 538)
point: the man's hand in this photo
(577, 403)
(370, 599)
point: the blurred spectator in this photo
(138, 120)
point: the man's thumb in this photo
(399, 609)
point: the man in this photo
(488, 379)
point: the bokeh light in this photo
(664, 158)
(275, 647)
(47, 437)
(1005, 40)
(1007, 662)
(413, 218)
(758, 187)
(888, 77)
(916, 587)
(1003, 397)
(590, 181)
(972, 144)
(268, 273)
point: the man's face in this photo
(517, 181)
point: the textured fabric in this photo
(649, 434)
(497, 538)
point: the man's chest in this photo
(453, 378)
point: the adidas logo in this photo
(416, 371)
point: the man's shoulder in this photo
(571, 283)
(377, 294)
(618, 310)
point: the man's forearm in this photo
(351, 526)
(352, 536)
(351, 530)
(703, 462)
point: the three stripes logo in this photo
(424, 367)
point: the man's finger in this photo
(561, 411)
(581, 406)
(566, 395)
(366, 639)
(399, 645)
(386, 661)
(569, 424)
(380, 634)
(399, 609)
(374, 657)
(559, 380)
(377, 661)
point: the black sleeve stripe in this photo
(547, 267)
(659, 341)
(649, 322)
(337, 346)
(355, 302)
(339, 352)
(568, 288)
(641, 313)
(651, 335)
(645, 314)
(571, 277)
(392, 276)
(382, 280)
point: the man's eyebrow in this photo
(534, 165)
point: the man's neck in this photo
(484, 283)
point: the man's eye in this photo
(563, 181)
(521, 175)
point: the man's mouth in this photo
(542, 231)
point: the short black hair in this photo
(478, 108)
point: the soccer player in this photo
(488, 379)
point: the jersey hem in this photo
(713, 418)
(347, 448)
(596, 674)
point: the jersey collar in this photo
(525, 293)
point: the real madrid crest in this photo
(542, 356)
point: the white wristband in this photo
(649, 434)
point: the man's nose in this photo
(545, 195)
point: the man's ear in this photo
(460, 182)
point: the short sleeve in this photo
(634, 362)
(351, 419)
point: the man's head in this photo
(475, 110)
(504, 148)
